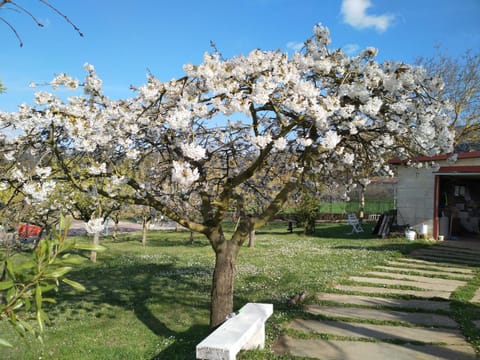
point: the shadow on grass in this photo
(324, 230)
(135, 287)
(343, 231)
(456, 254)
(403, 248)
(198, 241)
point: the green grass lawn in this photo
(153, 302)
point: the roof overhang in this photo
(464, 155)
(466, 171)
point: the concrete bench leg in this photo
(257, 341)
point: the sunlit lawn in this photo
(153, 302)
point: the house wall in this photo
(415, 195)
(416, 192)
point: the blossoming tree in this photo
(259, 124)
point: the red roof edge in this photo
(457, 169)
(462, 155)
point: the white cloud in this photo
(295, 46)
(354, 14)
(351, 49)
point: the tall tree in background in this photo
(462, 89)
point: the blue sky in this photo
(125, 39)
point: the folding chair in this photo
(356, 225)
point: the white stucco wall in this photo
(415, 193)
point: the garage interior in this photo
(459, 206)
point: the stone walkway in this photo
(367, 320)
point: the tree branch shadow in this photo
(137, 286)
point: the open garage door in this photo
(457, 203)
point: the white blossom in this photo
(369, 52)
(280, 144)
(348, 158)
(304, 141)
(364, 181)
(9, 155)
(194, 152)
(43, 98)
(132, 154)
(179, 119)
(372, 106)
(322, 34)
(261, 141)
(331, 139)
(96, 169)
(64, 80)
(94, 226)
(43, 172)
(183, 174)
(18, 175)
(38, 192)
(453, 158)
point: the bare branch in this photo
(14, 31)
(27, 12)
(19, 8)
(77, 29)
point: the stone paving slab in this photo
(413, 263)
(417, 318)
(476, 296)
(425, 272)
(379, 332)
(429, 305)
(353, 350)
(378, 290)
(418, 278)
(418, 284)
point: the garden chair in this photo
(355, 223)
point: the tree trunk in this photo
(251, 238)
(96, 241)
(362, 203)
(309, 228)
(144, 231)
(115, 229)
(222, 284)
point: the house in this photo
(439, 196)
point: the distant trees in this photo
(462, 89)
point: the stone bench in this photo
(244, 331)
